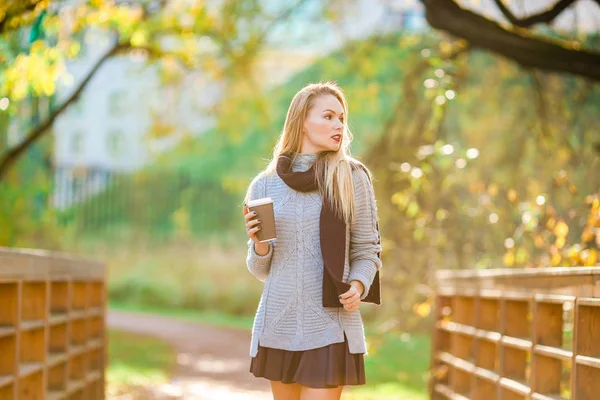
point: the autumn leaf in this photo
(539, 241)
(509, 258)
(561, 229)
(587, 235)
(422, 309)
(573, 254)
(412, 209)
(492, 189)
(556, 258)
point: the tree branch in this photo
(34, 134)
(543, 17)
(12, 155)
(518, 45)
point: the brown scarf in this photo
(333, 237)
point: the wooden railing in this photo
(510, 334)
(52, 326)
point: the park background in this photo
(130, 130)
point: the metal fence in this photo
(158, 203)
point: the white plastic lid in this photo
(259, 202)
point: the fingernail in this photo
(259, 220)
(340, 296)
(258, 228)
(253, 212)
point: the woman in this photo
(306, 345)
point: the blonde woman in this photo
(308, 336)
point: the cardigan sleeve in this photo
(258, 265)
(364, 236)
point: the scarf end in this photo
(332, 289)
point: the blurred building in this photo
(108, 126)
(127, 114)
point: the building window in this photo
(114, 143)
(77, 107)
(116, 102)
(76, 142)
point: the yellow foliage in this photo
(589, 257)
(445, 47)
(37, 71)
(422, 309)
(492, 189)
(73, 49)
(181, 221)
(399, 199)
(509, 258)
(561, 178)
(573, 255)
(587, 235)
(522, 255)
(539, 241)
(556, 258)
(441, 214)
(139, 38)
(561, 229)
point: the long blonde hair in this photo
(334, 166)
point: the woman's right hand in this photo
(252, 225)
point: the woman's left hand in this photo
(351, 299)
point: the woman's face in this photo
(323, 126)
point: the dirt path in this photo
(212, 363)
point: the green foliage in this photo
(250, 121)
(194, 275)
(140, 287)
(503, 174)
(26, 220)
(135, 360)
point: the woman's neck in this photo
(303, 161)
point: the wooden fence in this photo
(52, 326)
(511, 334)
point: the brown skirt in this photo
(324, 367)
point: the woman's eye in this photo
(328, 117)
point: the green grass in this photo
(136, 360)
(207, 317)
(396, 365)
(384, 391)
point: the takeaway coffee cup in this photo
(264, 211)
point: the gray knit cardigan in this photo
(290, 314)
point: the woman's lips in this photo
(337, 138)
